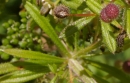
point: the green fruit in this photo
(16, 24)
(5, 41)
(10, 21)
(26, 36)
(23, 14)
(20, 35)
(8, 46)
(10, 31)
(24, 20)
(15, 35)
(9, 37)
(29, 40)
(23, 44)
(39, 40)
(4, 56)
(14, 41)
(22, 26)
(5, 25)
(22, 31)
(15, 29)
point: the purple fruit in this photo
(112, 11)
(126, 66)
(104, 17)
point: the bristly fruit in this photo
(104, 17)
(61, 11)
(109, 13)
(112, 11)
(126, 66)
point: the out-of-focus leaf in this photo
(79, 71)
(124, 78)
(78, 25)
(45, 25)
(40, 62)
(128, 22)
(31, 66)
(74, 4)
(99, 79)
(20, 76)
(94, 6)
(107, 37)
(7, 67)
(33, 55)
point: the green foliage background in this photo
(86, 47)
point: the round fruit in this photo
(126, 66)
(4, 56)
(104, 17)
(5, 41)
(61, 11)
(112, 11)
(6, 25)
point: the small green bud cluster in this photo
(25, 34)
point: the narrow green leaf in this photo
(74, 4)
(99, 79)
(33, 55)
(45, 25)
(107, 37)
(78, 25)
(20, 76)
(31, 66)
(7, 67)
(79, 71)
(128, 22)
(40, 62)
(112, 71)
(94, 6)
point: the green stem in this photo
(89, 48)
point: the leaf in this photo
(7, 67)
(79, 71)
(99, 79)
(94, 6)
(109, 41)
(45, 25)
(74, 4)
(33, 55)
(31, 66)
(111, 70)
(20, 76)
(78, 25)
(128, 22)
(40, 62)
